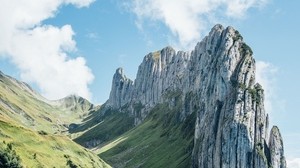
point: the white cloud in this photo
(188, 19)
(92, 36)
(40, 51)
(293, 163)
(79, 3)
(266, 75)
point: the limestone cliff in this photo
(121, 90)
(217, 80)
(276, 149)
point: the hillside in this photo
(34, 127)
(39, 149)
(161, 140)
(21, 105)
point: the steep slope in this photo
(21, 105)
(216, 83)
(39, 149)
(161, 140)
(101, 126)
(34, 127)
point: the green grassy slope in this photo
(20, 104)
(43, 150)
(37, 128)
(103, 126)
(160, 141)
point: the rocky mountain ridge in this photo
(184, 109)
(217, 81)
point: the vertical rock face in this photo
(160, 71)
(276, 149)
(231, 128)
(121, 90)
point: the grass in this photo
(156, 55)
(246, 49)
(160, 141)
(109, 145)
(40, 150)
(106, 128)
(31, 110)
(35, 127)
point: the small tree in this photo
(9, 158)
(69, 162)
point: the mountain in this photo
(187, 109)
(32, 129)
(201, 108)
(22, 105)
(75, 104)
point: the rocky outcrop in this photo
(276, 149)
(121, 90)
(217, 80)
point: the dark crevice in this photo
(236, 146)
(217, 117)
(255, 136)
(267, 153)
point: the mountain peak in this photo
(217, 82)
(217, 28)
(74, 103)
(121, 87)
(120, 71)
(277, 158)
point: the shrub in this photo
(69, 162)
(9, 158)
(42, 132)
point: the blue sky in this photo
(103, 35)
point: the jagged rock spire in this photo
(276, 149)
(232, 125)
(121, 90)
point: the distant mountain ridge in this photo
(35, 129)
(31, 109)
(75, 104)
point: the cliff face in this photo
(276, 149)
(121, 90)
(217, 80)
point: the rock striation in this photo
(217, 80)
(276, 149)
(121, 90)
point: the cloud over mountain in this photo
(188, 19)
(42, 52)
